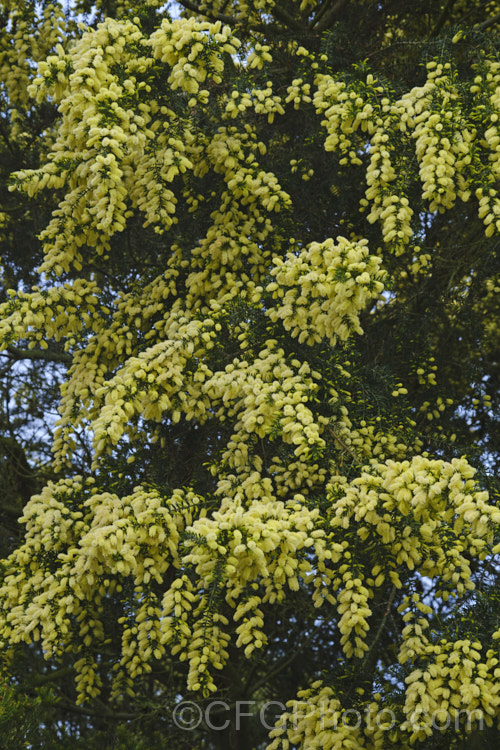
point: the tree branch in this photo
(333, 15)
(324, 9)
(54, 675)
(282, 15)
(280, 665)
(279, 13)
(345, 447)
(443, 17)
(117, 715)
(45, 354)
(487, 23)
(381, 626)
(188, 5)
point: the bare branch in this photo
(489, 22)
(188, 5)
(282, 15)
(443, 17)
(45, 354)
(112, 715)
(345, 448)
(324, 9)
(54, 675)
(381, 626)
(279, 13)
(329, 18)
(280, 665)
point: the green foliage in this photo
(19, 714)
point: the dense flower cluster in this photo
(323, 288)
(450, 155)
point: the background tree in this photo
(269, 265)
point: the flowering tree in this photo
(271, 274)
